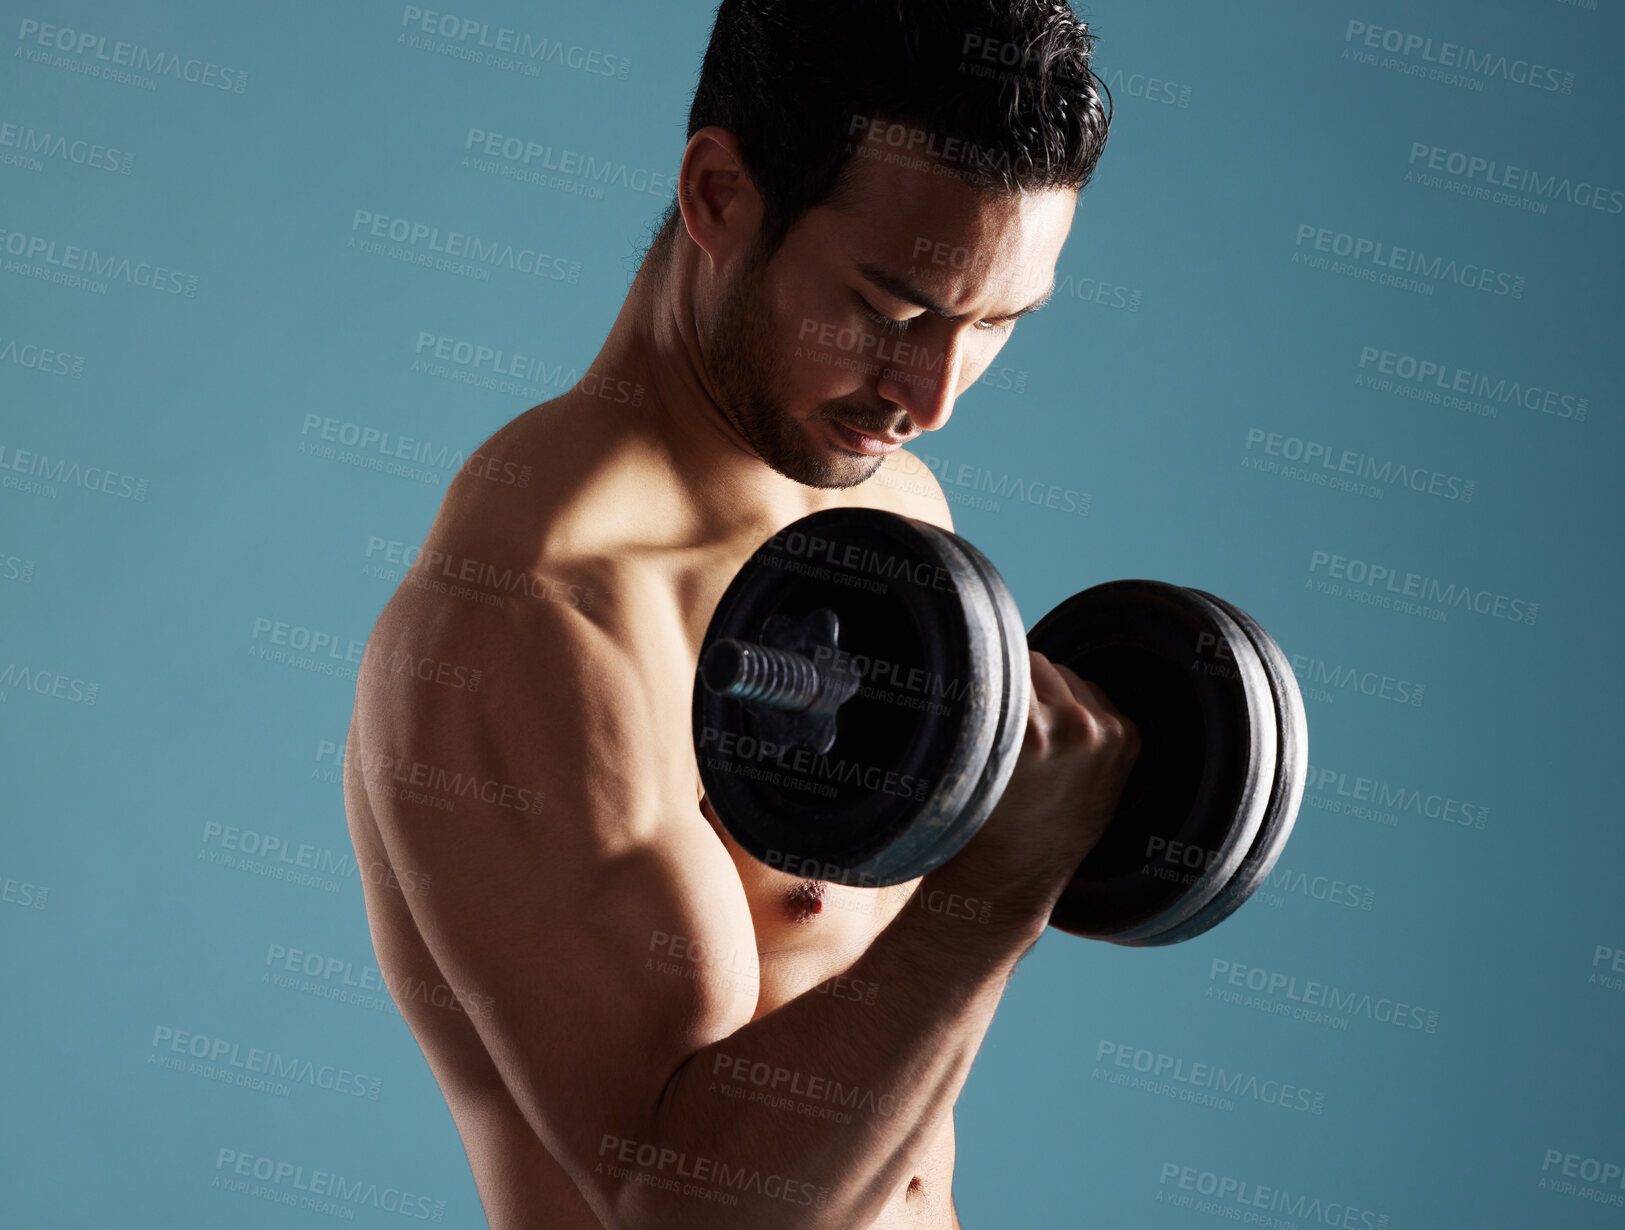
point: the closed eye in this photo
(887, 324)
(890, 324)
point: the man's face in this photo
(801, 366)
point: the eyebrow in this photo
(899, 288)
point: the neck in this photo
(656, 343)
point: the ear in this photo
(718, 199)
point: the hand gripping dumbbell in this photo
(861, 697)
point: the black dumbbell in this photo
(862, 692)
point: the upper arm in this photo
(575, 882)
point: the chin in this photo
(815, 462)
(852, 476)
(826, 473)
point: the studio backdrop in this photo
(1336, 334)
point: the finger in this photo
(1061, 683)
(1049, 685)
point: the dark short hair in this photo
(1000, 90)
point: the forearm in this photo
(887, 1070)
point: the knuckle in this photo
(1036, 738)
(1077, 723)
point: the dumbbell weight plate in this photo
(886, 803)
(1016, 694)
(1286, 794)
(1189, 678)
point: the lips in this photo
(868, 441)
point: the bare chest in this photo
(809, 933)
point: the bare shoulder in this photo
(904, 484)
(514, 643)
(535, 670)
(532, 759)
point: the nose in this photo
(924, 385)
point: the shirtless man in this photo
(613, 972)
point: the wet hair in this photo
(999, 93)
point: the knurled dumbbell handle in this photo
(759, 675)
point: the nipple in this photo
(805, 901)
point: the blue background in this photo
(1191, 319)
